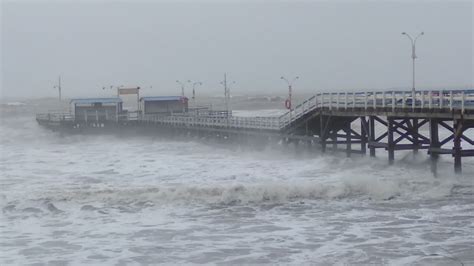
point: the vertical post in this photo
(450, 100)
(365, 100)
(363, 135)
(372, 135)
(334, 140)
(430, 99)
(353, 100)
(441, 99)
(348, 139)
(330, 101)
(457, 128)
(345, 101)
(393, 101)
(415, 135)
(404, 100)
(434, 144)
(383, 100)
(322, 134)
(375, 100)
(391, 145)
(59, 87)
(422, 99)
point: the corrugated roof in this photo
(162, 98)
(96, 100)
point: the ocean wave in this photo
(257, 193)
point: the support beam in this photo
(348, 139)
(363, 134)
(391, 144)
(457, 150)
(322, 133)
(372, 135)
(434, 144)
(415, 135)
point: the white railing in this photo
(263, 123)
(460, 100)
(388, 101)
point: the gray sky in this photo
(331, 46)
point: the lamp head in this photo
(404, 33)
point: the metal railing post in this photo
(375, 100)
(430, 99)
(330, 101)
(451, 100)
(353, 100)
(422, 99)
(365, 101)
(345, 100)
(383, 99)
(441, 100)
(393, 101)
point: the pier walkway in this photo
(389, 120)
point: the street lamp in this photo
(226, 92)
(413, 56)
(194, 92)
(182, 86)
(288, 101)
(59, 88)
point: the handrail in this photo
(459, 100)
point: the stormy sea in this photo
(134, 200)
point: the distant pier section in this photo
(354, 122)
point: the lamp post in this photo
(182, 86)
(58, 87)
(226, 92)
(194, 92)
(290, 84)
(413, 56)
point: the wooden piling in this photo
(457, 128)
(415, 135)
(391, 145)
(372, 135)
(363, 135)
(348, 139)
(434, 144)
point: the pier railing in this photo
(386, 101)
(460, 100)
(263, 123)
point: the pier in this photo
(351, 122)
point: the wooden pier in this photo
(359, 121)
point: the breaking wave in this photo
(258, 193)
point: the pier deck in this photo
(373, 120)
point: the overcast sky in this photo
(331, 46)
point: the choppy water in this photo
(108, 200)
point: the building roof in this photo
(96, 100)
(162, 98)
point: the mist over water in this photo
(111, 199)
